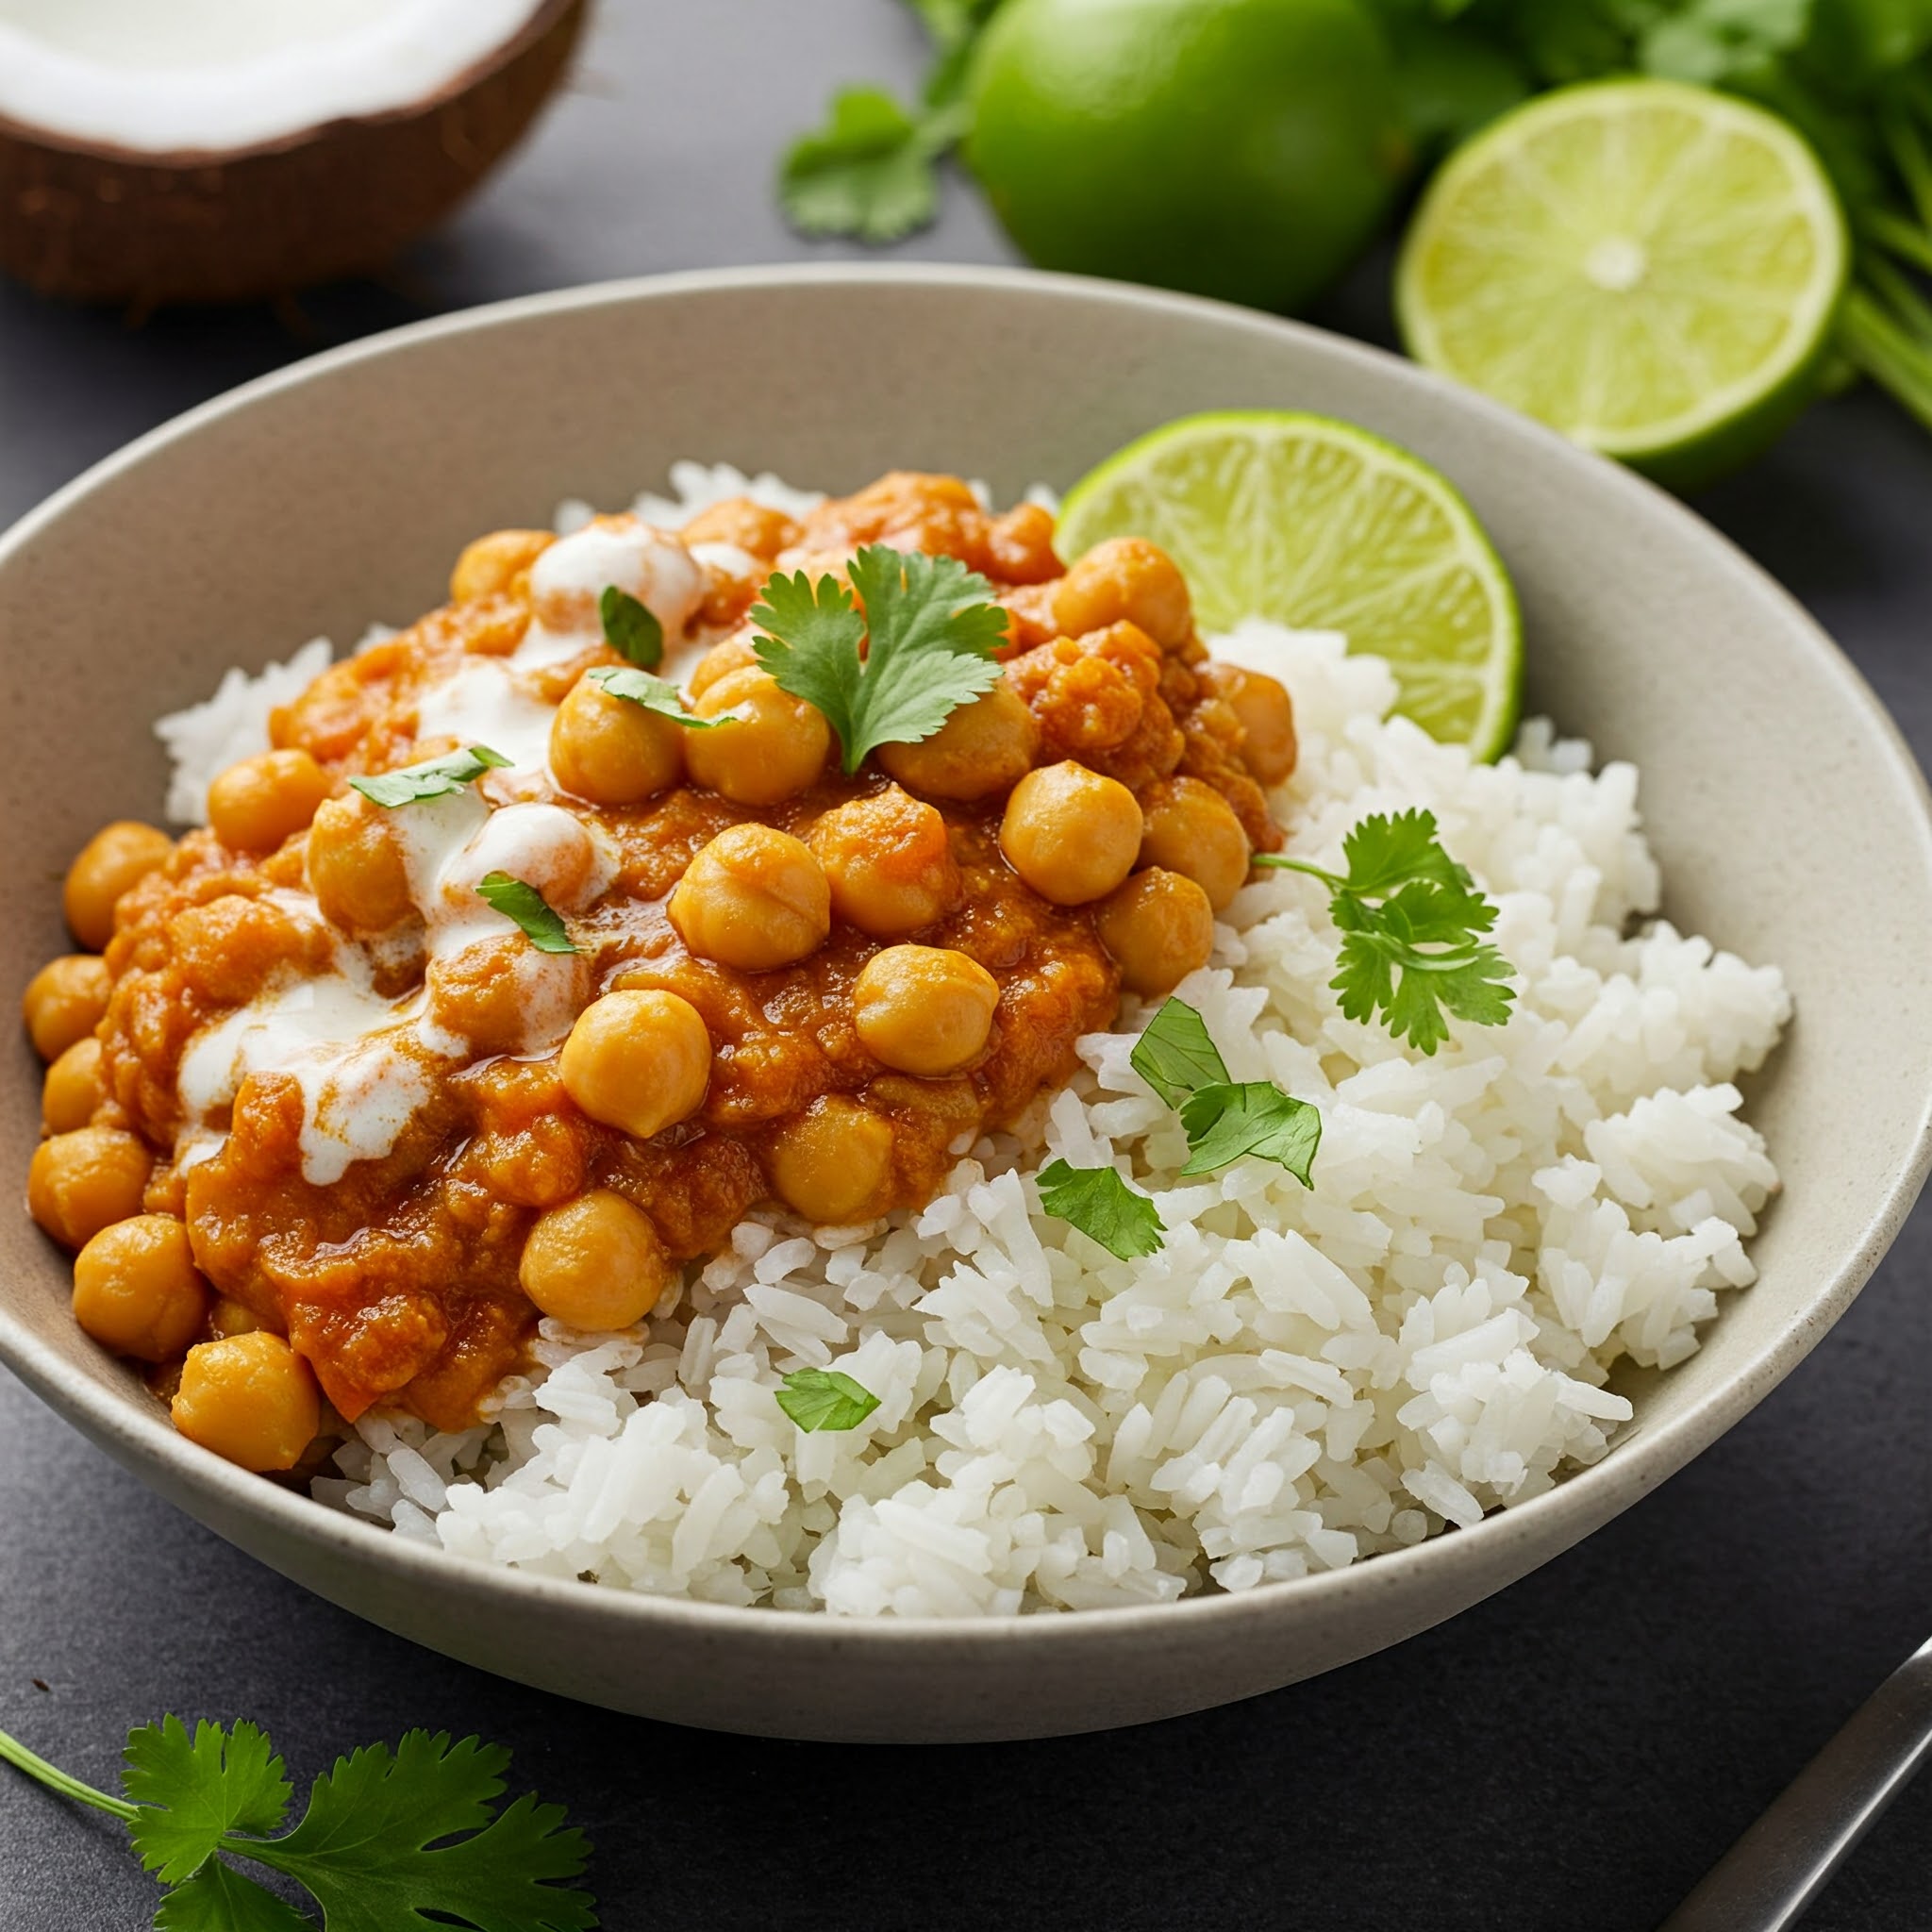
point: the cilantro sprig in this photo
(1104, 1208)
(517, 900)
(388, 1836)
(825, 1399)
(1411, 922)
(895, 671)
(1225, 1120)
(431, 779)
(631, 627)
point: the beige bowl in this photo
(1790, 820)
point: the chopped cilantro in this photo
(1175, 1055)
(432, 778)
(928, 633)
(820, 1399)
(1225, 1121)
(656, 694)
(631, 629)
(389, 1837)
(542, 925)
(1410, 920)
(1104, 1208)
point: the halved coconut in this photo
(219, 150)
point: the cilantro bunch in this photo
(389, 1837)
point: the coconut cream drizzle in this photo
(568, 582)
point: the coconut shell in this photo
(98, 224)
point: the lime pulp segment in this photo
(1319, 525)
(1638, 263)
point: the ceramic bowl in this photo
(1790, 820)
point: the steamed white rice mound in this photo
(1302, 1378)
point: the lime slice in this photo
(1319, 525)
(1651, 268)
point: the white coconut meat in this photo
(218, 76)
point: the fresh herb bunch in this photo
(1411, 922)
(388, 1838)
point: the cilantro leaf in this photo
(868, 171)
(1411, 921)
(656, 694)
(1175, 1055)
(1104, 1208)
(432, 778)
(930, 632)
(820, 1399)
(190, 1791)
(542, 925)
(631, 629)
(370, 1849)
(220, 1899)
(1224, 1123)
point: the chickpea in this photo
(610, 751)
(775, 746)
(137, 1291)
(73, 1088)
(720, 660)
(832, 1162)
(1266, 713)
(925, 1010)
(595, 1262)
(889, 862)
(117, 857)
(1159, 927)
(250, 1398)
(738, 520)
(355, 867)
(230, 1317)
(256, 803)
(494, 562)
(985, 747)
(1127, 579)
(637, 1060)
(81, 1182)
(1071, 833)
(754, 898)
(64, 1002)
(1191, 828)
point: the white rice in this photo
(1301, 1378)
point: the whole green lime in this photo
(1240, 148)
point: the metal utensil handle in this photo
(1767, 1879)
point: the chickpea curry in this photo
(516, 974)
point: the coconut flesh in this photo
(211, 76)
(161, 150)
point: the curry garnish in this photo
(1224, 1119)
(1411, 918)
(631, 629)
(432, 778)
(541, 925)
(894, 673)
(388, 1836)
(1104, 1208)
(656, 694)
(820, 1399)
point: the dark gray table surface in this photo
(1572, 1754)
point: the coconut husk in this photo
(97, 224)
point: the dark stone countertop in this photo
(1572, 1754)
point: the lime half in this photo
(1651, 268)
(1320, 526)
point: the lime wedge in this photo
(1651, 268)
(1320, 526)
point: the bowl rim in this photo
(1478, 1557)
